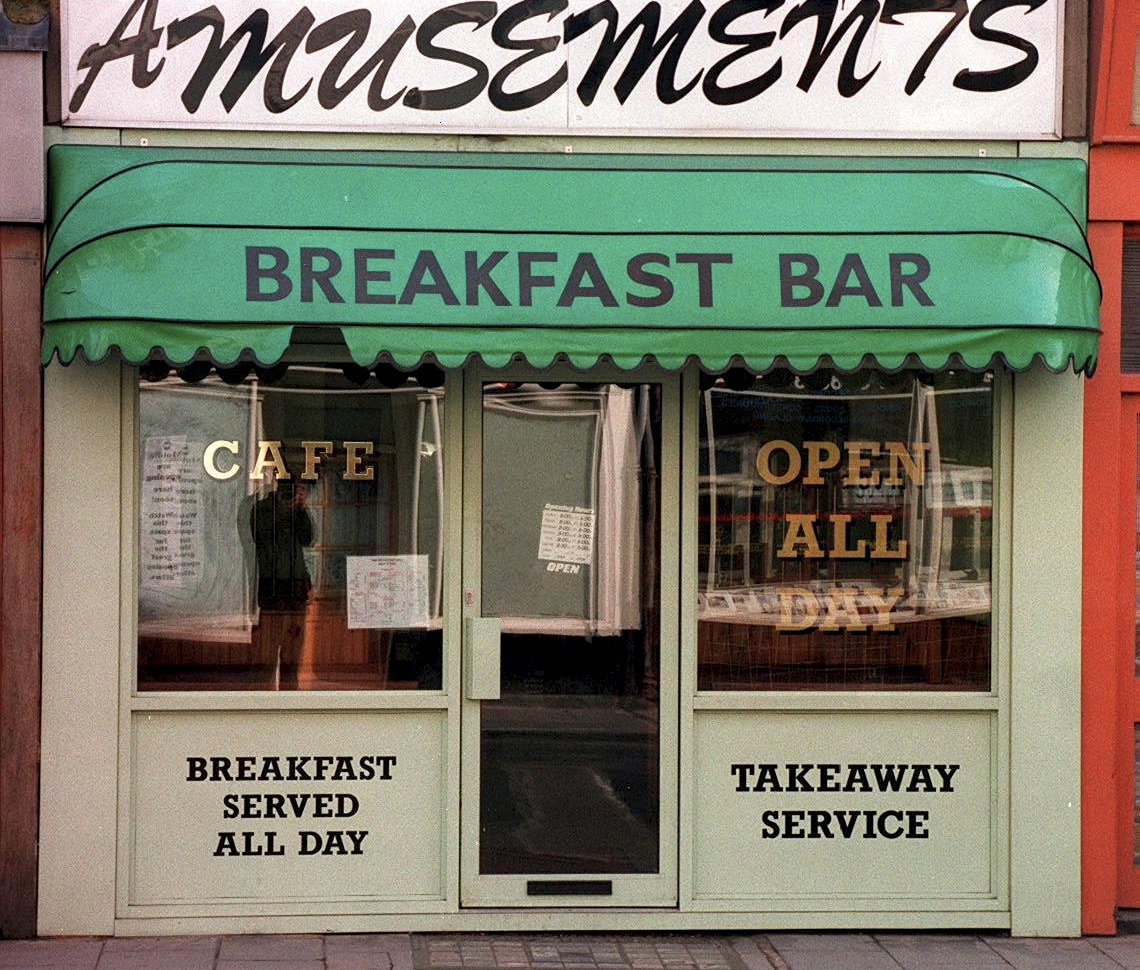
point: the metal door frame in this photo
(640, 890)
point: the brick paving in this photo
(583, 951)
(577, 951)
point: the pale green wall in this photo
(1045, 702)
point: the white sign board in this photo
(826, 68)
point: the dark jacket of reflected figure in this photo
(282, 528)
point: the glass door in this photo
(569, 750)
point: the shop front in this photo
(436, 541)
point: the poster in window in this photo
(387, 592)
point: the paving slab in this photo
(819, 960)
(269, 948)
(838, 942)
(396, 946)
(164, 944)
(957, 952)
(161, 953)
(1033, 954)
(157, 960)
(361, 952)
(357, 961)
(1124, 950)
(55, 954)
(830, 951)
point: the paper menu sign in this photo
(171, 538)
(386, 592)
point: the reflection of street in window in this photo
(845, 533)
(282, 483)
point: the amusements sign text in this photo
(827, 68)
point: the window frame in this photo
(135, 705)
(132, 472)
(1118, 86)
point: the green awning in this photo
(728, 260)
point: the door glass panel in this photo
(289, 533)
(569, 753)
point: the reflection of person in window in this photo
(282, 528)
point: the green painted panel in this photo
(818, 805)
(909, 260)
(397, 838)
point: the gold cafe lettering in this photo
(810, 535)
(270, 463)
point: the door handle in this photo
(481, 657)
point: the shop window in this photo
(1130, 306)
(289, 532)
(845, 532)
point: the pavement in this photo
(577, 951)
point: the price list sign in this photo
(567, 534)
(172, 551)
